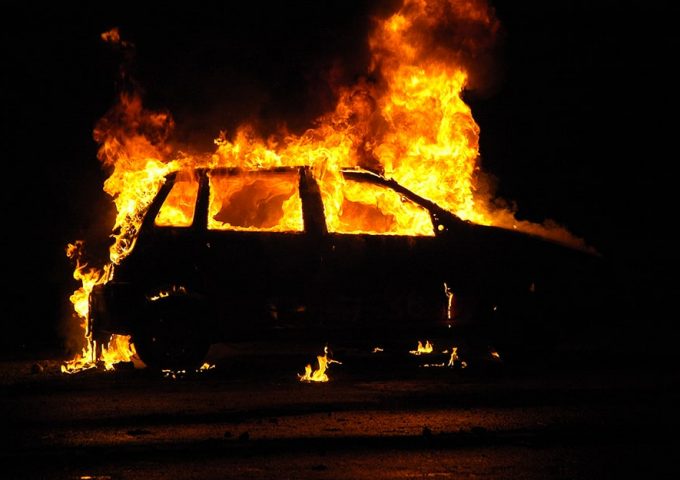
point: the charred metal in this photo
(183, 288)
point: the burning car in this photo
(226, 254)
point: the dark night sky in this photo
(579, 126)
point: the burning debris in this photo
(318, 375)
(118, 350)
(451, 303)
(175, 374)
(454, 361)
(455, 358)
(422, 349)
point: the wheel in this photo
(172, 338)
(163, 352)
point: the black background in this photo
(578, 125)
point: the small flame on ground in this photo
(454, 360)
(119, 349)
(453, 357)
(377, 350)
(427, 348)
(174, 290)
(318, 375)
(175, 374)
(83, 361)
(450, 307)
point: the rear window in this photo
(263, 201)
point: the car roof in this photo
(354, 173)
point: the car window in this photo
(375, 209)
(178, 208)
(265, 201)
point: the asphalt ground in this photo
(379, 416)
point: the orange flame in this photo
(422, 349)
(318, 375)
(409, 123)
(118, 348)
(111, 36)
(454, 356)
(405, 120)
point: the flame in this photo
(453, 357)
(111, 36)
(421, 349)
(451, 303)
(414, 128)
(405, 120)
(178, 209)
(318, 375)
(255, 202)
(176, 374)
(88, 277)
(118, 349)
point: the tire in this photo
(172, 338)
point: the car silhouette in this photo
(228, 254)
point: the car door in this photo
(258, 258)
(380, 271)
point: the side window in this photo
(178, 208)
(375, 209)
(255, 202)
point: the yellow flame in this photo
(422, 349)
(86, 360)
(453, 357)
(407, 120)
(119, 349)
(255, 202)
(319, 374)
(451, 303)
(178, 209)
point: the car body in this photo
(233, 267)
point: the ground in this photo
(250, 417)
